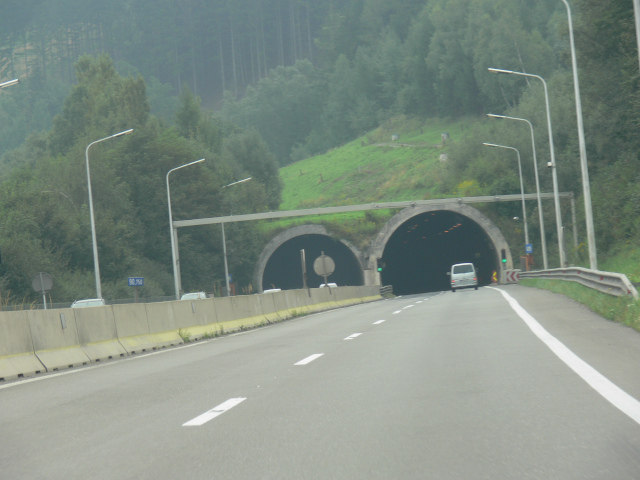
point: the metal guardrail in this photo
(611, 283)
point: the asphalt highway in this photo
(499, 383)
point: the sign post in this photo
(42, 282)
(324, 266)
(303, 261)
(135, 282)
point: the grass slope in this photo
(372, 168)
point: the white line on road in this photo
(611, 392)
(397, 311)
(378, 322)
(351, 337)
(214, 412)
(408, 306)
(309, 359)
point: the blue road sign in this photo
(136, 281)
(528, 248)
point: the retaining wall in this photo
(38, 341)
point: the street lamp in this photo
(636, 14)
(176, 276)
(96, 263)
(586, 189)
(224, 241)
(543, 238)
(9, 83)
(524, 208)
(552, 164)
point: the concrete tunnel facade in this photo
(415, 249)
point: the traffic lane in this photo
(91, 412)
(611, 348)
(440, 392)
(212, 447)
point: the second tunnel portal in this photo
(417, 247)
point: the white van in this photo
(463, 275)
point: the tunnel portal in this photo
(280, 263)
(420, 252)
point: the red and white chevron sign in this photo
(512, 276)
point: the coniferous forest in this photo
(252, 85)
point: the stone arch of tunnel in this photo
(279, 264)
(417, 247)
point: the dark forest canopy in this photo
(252, 84)
(354, 61)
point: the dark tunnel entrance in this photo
(284, 270)
(420, 252)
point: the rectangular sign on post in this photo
(528, 248)
(136, 281)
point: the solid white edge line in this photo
(610, 391)
(309, 359)
(214, 412)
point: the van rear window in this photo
(463, 268)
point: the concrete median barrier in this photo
(133, 330)
(17, 358)
(160, 317)
(196, 318)
(323, 299)
(55, 339)
(193, 313)
(247, 313)
(298, 301)
(36, 341)
(97, 333)
(269, 308)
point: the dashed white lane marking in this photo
(378, 322)
(214, 412)
(611, 392)
(309, 359)
(397, 311)
(408, 306)
(352, 336)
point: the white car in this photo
(89, 302)
(194, 296)
(272, 290)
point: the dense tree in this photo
(43, 204)
(283, 79)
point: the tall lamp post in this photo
(176, 277)
(224, 241)
(586, 188)
(636, 14)
(9, 83)
(543, 239)
(96, 263)
(524, 208)
(552, 164)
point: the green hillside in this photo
(398, 161)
